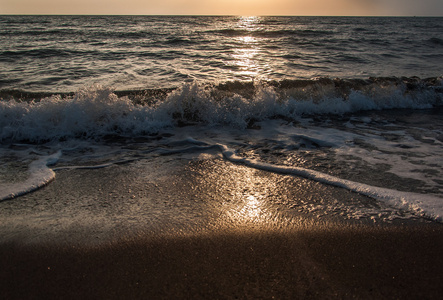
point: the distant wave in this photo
(67, 53)
(436, 41)
(96, 111)
(273, 33)
(64, 53)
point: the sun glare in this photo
(246, 56)
(252, 208)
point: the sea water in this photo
(350, 102)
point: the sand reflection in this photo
(242, 196)
(248, 209)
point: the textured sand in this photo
(209, 230)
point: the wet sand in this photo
(207, 230)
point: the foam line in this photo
(40, 175)
(422, 204)
(100, 166)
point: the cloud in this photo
(412, 7)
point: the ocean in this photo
(349, 102)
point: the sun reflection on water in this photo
(246, 56)
(249, 22)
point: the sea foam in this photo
(422, 204)
(39, 175)
(96, 111)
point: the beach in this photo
(336, 263)
(221, 157)
(86, 236)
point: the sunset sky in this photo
(226, 7)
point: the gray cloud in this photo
(412, 7)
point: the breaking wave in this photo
(96, 111)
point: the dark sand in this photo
(364, 263)
(207, 230)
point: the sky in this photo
(227, 7)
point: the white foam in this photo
(422, 204)
(96, 111)
(39, 175)
(93, 112)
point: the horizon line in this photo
(217, 15)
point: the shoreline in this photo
(170, 228)
(167, 196)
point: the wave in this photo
(421, 204)
(84, 33)
(230, 32)
(95, 112)
(39, 175)
(16, 55)
(436, 41)
(36, 53)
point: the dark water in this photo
(64, 53)
(350, 102)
